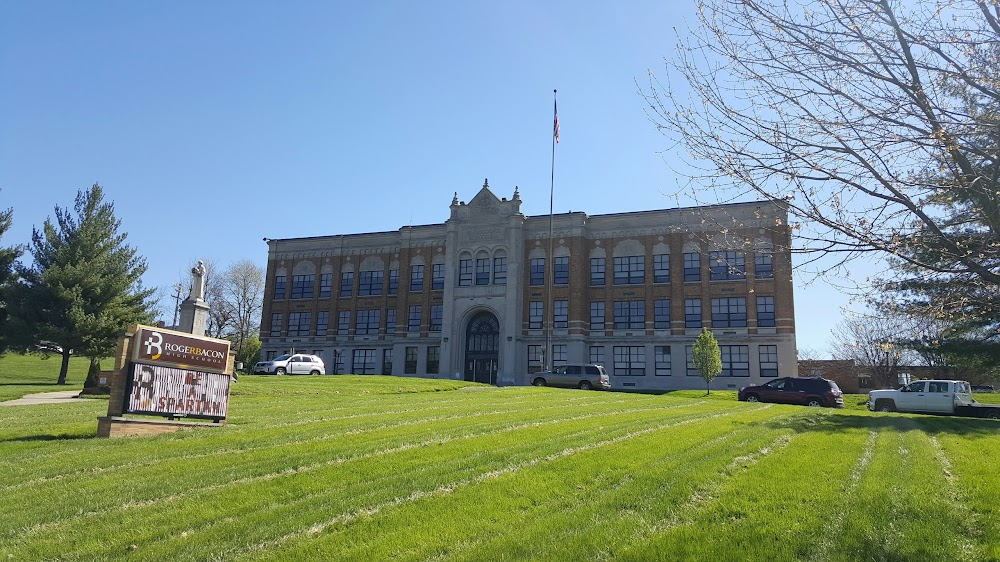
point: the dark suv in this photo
(790, 390)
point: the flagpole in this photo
(550, 279)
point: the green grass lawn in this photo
(31, 373)
(378, 468)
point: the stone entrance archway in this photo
(482, 348)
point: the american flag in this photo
(555, 120)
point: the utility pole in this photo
(177, 303)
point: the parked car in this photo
(951, 397)
(585, 377)
(812, 391)
(297, 364)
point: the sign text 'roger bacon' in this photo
(168, 347)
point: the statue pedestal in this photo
(194, 316)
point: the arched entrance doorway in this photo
(482, 348)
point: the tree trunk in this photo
(708, 388)
(64, 368)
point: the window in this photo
(630, 315)
(536, 315)
(413, 324)
(597, 316)
(346, 283)
(727, 266)
(437, 276)
(662, 360)
(689, 353)
(537, 271)
(464, 273)
(433, 359)
(410, 361)
(364, 362)
(325, 285)
(558, 355)
(692, 313)
(661, 268)
(692, 267)
(560, 275)
(482, 271)
(762, 266)
(630, 270)
(597, 354)
(302, 286)
(735, 360)
(499, 271)
(768, 355)
(386, 361)
(271, 355)
(534, 358)
(344, 323)
(338, 362)
(729, 312)
(393, 282)
(661, 314)
(298, 324)
(629, 361)
(370, 283)
(765, 311)
(322, 322)
(560, 314)
(276, 319)
(367, 322)
(279, 286)
(390, 322)
(437, 317)
(416, 278)
(597, 272)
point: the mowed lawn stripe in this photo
(553, 510)
(902, 509)
(107, 456)
(94, 492)
(292, 490)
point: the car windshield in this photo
(281, 358)
(834, 386)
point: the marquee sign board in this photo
(169, 391)
(166, 347)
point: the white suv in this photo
(291, 365)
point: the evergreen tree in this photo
(707, 358)
(8, 256)
(83, 289)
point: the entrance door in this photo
(482, 348)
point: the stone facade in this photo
(489, 296)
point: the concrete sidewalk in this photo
(60, 397)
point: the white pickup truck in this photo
(932, 397)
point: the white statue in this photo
(198, 281)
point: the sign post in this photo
(167, 374)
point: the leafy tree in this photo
(8, 256)
(707, 357)
(876, 121)
(250, 352)
(83, 289)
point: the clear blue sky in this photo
(213, 125)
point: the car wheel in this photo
(314, 372)
(538, 382)
(814, 403)
(585, 385)
(993, 414)
(279, 371)
(885, 407)
(753, 398)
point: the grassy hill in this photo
(31, 373)
(376, 468)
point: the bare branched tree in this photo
(876, 344)
(875, 120)
(242, 291)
